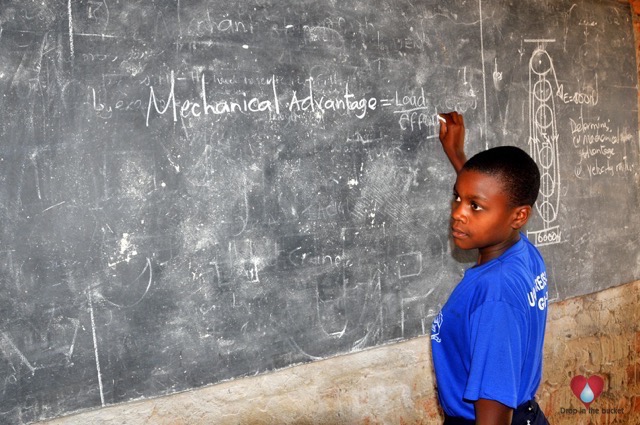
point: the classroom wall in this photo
(593, 335)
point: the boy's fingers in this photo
(443, 126)
(452, 117)
(450, 121)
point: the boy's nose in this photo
(457, 213)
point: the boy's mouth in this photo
(457, 233)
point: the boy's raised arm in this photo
(452, 138)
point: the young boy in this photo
(487, 340)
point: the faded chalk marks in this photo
(409, 265)
(145, 274)
(194, 194)
(13, 353)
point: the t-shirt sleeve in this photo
(496, 353)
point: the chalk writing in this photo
(347, 102)
(589, 97)
(548, 236)
(415, 112)
(208, 25)
(601, 148)
(206, 106)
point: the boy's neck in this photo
(488, 254)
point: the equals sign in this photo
(386, 102)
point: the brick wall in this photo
(597, 334)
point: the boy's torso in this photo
(516, 282)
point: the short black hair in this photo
(517, 171)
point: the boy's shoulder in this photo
(522, 254)
(511, 275)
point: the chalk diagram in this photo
(543, 142)
(349, 306)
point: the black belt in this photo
(527, 411)
(453, 420)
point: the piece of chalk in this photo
(442, 119)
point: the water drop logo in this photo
(587, 390)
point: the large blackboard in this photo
(194, 191)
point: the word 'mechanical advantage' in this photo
(307, 102)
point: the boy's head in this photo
(493, 197)
(513, 167)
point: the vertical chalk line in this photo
(73, 341)
(484, 79)
(275, 94)
(37, 177)
(95, 347)
(179, 20)
(70, 28)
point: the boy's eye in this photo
(456, 197)
(475, 207)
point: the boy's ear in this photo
(521, 216)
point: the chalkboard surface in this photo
(194, 191)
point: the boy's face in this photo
(481, 217)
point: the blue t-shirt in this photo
(487, 340)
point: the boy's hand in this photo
(452, 138)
